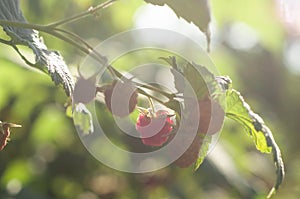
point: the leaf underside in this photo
(46, 60)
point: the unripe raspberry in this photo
(121, 98)
(84, 91)
(154, 129)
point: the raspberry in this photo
(84, 91)
(154, 129)
(120, 98)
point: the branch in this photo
(91, 10)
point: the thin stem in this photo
(140, 91)
(168, 95)
(10, 43)
(151, 106)
(103, 60)
(22, 56)
(23, 25)
(86, 48)
(91, 10)
(5, 42)
(75, 36)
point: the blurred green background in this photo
(252, 43)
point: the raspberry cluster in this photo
(157, 127)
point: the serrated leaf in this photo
(46, 60)
(174, 105)
(196, 11)
(82, 118)
(171, 60)
(203, 152)
(240, 111)
(224, 82)
(176, 72)
(201, 79)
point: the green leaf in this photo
(83, 120)
(203, 82)
(69, 112)
(174, 105)
(195, 11)
(199, 77)
(196, 80)
(176, 72)
(224, 82)
(46, 60)
(238, 110)
(203, 151)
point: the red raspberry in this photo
(121, 98)
(154, 129)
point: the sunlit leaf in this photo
(69, 111)
(199, 77)
(82, 118)
(196, 11)
(240, 111)
(203, 152)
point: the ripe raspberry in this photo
(120, 98)
(154, 129)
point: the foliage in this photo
(59, 144)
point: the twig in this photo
(91, 10)
(79, 43)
